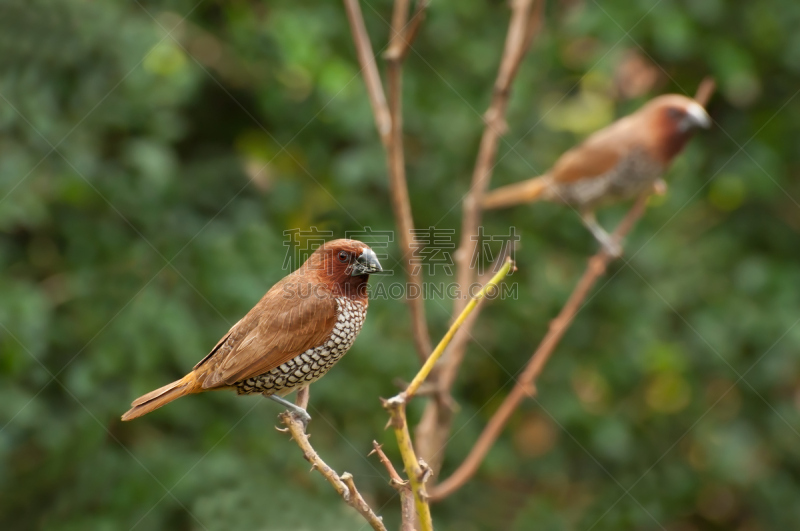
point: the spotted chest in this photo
(312, 364)
(633, 175)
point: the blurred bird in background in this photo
(292, 337)
(618, 162)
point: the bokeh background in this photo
(153, 152)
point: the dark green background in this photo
(136, 227)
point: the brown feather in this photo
(517, 193)
(595, 156)
(289, 320)
(162, 396)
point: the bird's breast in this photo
(312, 364)
(631, 176)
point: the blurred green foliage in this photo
(152, 154)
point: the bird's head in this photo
(674, 118)
(344, 266)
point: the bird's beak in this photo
(366, 264)
(696, 116)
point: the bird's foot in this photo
(294, 410)
(660, 187)
(301, 415)
(610, 244)
(612, 247)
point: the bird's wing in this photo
(598, 154)
(284, 324)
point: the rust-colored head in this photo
(672, 119)
(343, 266)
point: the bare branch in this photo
(402, 487)
(705, 90)
(417, 475)
(416, 469)
(525, 385)
(426, 369)
(343, 484)
(520, 32)
(434, 427)
(401, 204)
(399, 47)
(370, 70)
(389, 121)
(302, 397)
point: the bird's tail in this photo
(162, 396)
(515, 194)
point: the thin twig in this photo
(402, 487)
(404, 34)
(343, 484)
(370, 70)
(389, 121)
(401, 204)
(520, 31)
(437, 353)
(302, 397)
(434, 427)
(417, 475)
(525, 384)
(705, 90)
(416, 469)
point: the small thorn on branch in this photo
(389, 122)
(526, 381)
(426, 471)
(344, 484)
(524, 23)
(705, 90)
(402, 486)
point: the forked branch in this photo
(389, 122)
(416, 469)
(343, 484)
(525, 384)
(402, 487)
(526, 17)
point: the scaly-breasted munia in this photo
(617, 162)
(293, 336)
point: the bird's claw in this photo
(612, 248)
(660, 187)
(302, 416)
(296, 412)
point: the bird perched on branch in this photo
(618, 162)
(292, 337)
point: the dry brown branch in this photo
(705, 90)
(404, 34)
(343, 484)
(402, 487)
(524, 19)
(389, 121)
(417, 470)
(369, 69)
(302, 397)
(433, 430)
(525, 384)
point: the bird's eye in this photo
(674, 112)
(343, 256)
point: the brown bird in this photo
(292, 337)
(615, 163)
